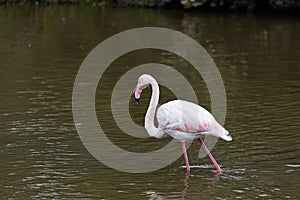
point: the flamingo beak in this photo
(136, 100)
(137, 93)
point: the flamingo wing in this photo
(183, 117)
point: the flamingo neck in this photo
(150, 115)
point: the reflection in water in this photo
(42, 157)
(206, 188)
(211, 182)
(185, 184)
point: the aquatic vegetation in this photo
(249, 5)
(242, 4)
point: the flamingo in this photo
(179, 119)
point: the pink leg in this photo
(185, 157)
(209, 155)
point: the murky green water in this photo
(41, 49)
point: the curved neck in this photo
(150, 115)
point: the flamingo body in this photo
(184, 120)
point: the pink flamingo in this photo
(179, 119)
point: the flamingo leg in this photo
(209, 155)
(185, 157)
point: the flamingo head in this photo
(143, 82)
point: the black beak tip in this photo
(137, 101)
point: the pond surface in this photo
(42, 156)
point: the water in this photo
(41, 153)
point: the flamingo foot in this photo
(188, 169)
(209, 155)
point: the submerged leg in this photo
(185, 157)
(209, 155)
